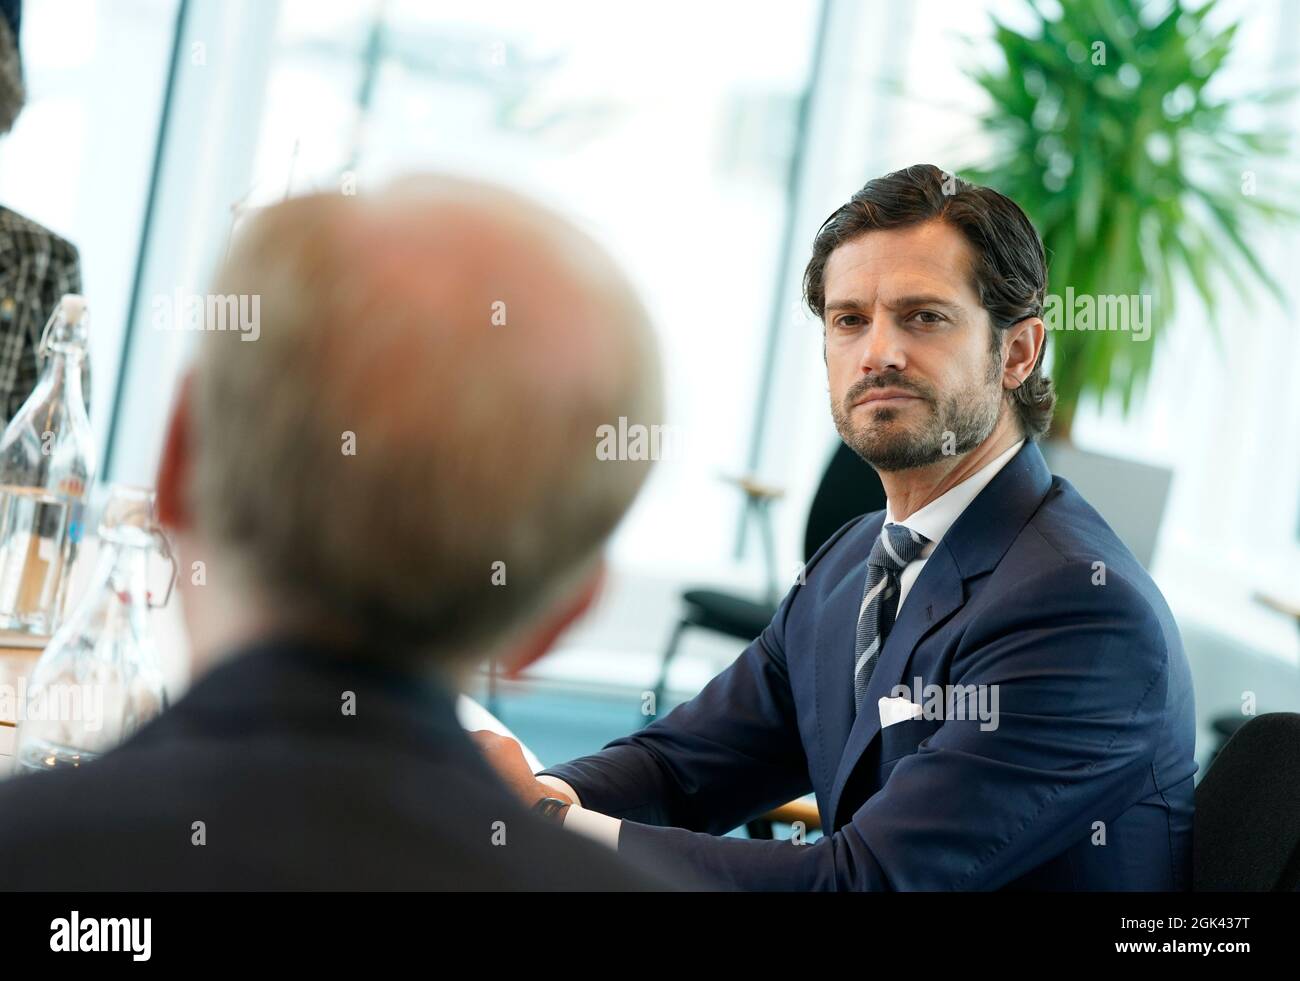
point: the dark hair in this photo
(1010, 268)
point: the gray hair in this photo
(475, 442)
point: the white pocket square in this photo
(897, 709)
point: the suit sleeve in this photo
(1080, 672)
(714, 762)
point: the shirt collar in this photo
(934, 520)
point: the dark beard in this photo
(970, 416)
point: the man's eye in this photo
(927, 316)
(848, 320)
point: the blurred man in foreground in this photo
(395, 478)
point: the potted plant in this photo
(1137, 175)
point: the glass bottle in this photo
(99, 678)
(47, 466)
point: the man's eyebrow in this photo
(849, 304)
(917, 300)
(922, 300)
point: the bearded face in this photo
(914, 367)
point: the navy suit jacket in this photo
(294, 793)
(1085, 783)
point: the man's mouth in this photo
(886, 397)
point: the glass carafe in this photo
(47, 466)
(99, 678)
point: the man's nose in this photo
(882, 346)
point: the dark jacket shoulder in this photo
(259, 779)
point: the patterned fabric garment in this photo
(896, 548)
(36, 268)
(13, 93)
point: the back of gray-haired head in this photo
(407, 449)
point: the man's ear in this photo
(1024, 343)
(176, 462)
(535, 644)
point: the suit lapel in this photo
(833, 662)
(973, 545)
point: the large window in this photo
(80, 158)
(667, 130)
(671, 132)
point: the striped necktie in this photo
(894, 549)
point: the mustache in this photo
(865, 385)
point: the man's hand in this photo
(507, 757)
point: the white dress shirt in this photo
(932, 521)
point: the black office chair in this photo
(1247, 825)
(1224, 728)
(848, 488)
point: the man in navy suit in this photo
(982, 686)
